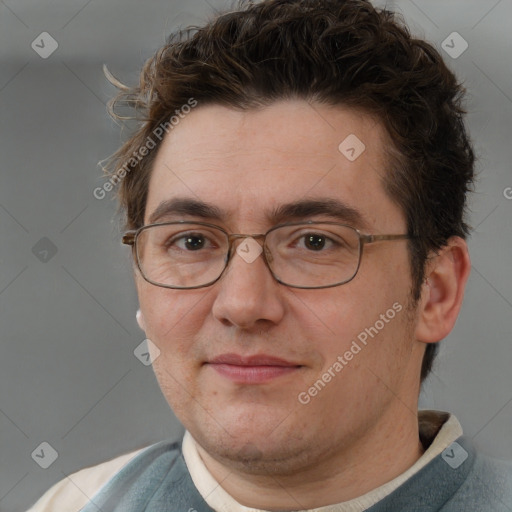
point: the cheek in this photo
(368, 319)
(172, 317)
(173, 320)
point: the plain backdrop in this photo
(68, 373)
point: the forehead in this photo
(249, 163)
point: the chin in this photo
(255, 445)
(255, 455)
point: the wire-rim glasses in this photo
(309, 255)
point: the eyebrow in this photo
(296, 210)
(187, 207)
(329, 207)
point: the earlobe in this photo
(443, 291)
(140, 320)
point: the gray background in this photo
(68, 375)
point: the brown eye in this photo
(193, 243)
(314, 242)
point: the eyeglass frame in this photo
(130, 238)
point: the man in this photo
(295, 203)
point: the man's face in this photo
(247, 164)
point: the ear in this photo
(443, 290)
(140, 320)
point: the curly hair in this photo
(337, 52)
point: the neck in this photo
(381, 455)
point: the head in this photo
(260, 100)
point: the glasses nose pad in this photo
(229, 254)
(268, 255)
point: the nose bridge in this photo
(261, 237)
(234, 237)
(241, 236)
(246, 296)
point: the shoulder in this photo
(458, 479)
(76, 490)
(488, 484)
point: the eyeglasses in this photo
(186, 255)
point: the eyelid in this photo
(194, 232)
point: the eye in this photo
(193, 242)
(315, 242)
(189, 242)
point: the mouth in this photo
(254, 369)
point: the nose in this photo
(247, 294)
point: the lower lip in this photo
(252, 374)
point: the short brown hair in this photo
(338, 52)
